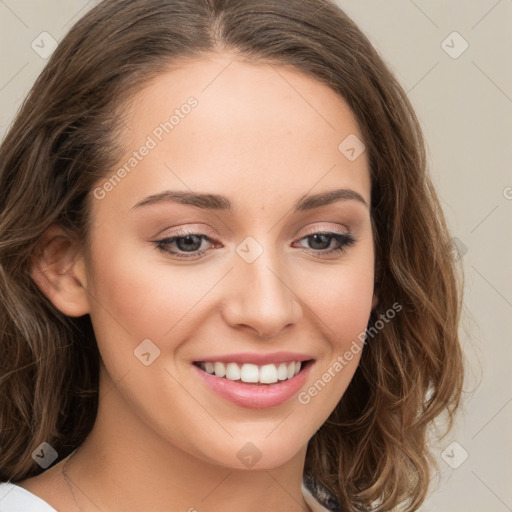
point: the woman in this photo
(226, 278)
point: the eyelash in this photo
(345, 239)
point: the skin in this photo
(263, 136)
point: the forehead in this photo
(255, 127)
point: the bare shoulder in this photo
(51, 487)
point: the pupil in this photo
(315, 240)
(190, 243)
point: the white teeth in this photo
(220, 369)
(282, 371)
(252, 373)
(268, 374)
(232, 371)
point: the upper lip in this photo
(255, 358)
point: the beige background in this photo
(465, 107)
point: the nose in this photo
(261, 298)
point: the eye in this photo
(187, 244)
(320, 243)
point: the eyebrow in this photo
(218, 202)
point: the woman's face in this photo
(252, 280)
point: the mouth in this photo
(253, 386)
(252, 374)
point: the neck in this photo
(124, 464)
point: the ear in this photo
(375, 301)
(59, 271)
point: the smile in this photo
(252, 373)
(230, 385)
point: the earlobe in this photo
(58, 269)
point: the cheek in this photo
(349, 309)
(341, 302)
(136, 288)
(340, 296)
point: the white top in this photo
(14, 498)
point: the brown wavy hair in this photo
(372, 452)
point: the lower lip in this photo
(255, 396)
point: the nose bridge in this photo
(263, 299)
